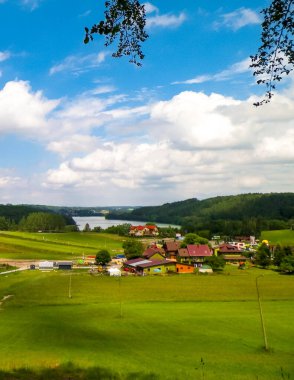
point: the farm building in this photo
(114, 272)
(64, 265)
(46, 265)
(156, 267)
(130, 265)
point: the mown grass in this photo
(189, 326)
(20, 245)
(282, 237)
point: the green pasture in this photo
(56, 246)
(282, 237)
(172, 327)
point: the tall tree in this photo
(263, 256)
(103, 257)
(133, 249)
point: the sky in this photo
(81, 128)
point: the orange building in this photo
(184, 268)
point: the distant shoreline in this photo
(100, 221)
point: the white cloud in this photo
(8, 181)
(86, 13)
(150, 8)
(196, 144)
(4, 55)
(101, 90)
(235, 69)
(238, 19)
(163, 21)
(73, 144)
(22, 111)
(174, 149)
(31, 4)
(166, 20)
(79, 64)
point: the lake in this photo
(100, 221)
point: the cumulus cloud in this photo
(190, 144)
(197, 143)
(238, 19)
(23, 111)
(73, 144)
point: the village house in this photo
(153, 253)
(147, 230)
(231, 253)
(184, 268)
(194, 254)
(156, 267)
(171, 249)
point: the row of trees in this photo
(124, 229)
(282, 257)
(37, 221)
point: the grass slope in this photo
(153, 327)
(20, 245)
(282, 237)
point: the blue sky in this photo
(78, 127)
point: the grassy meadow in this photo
(282, 237)
(171, 327)
(56, 246)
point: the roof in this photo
(198, 250)
(135, 262)
(183, 252)
(149, 226)
(228, 248)
(234, 257)
(152, 251)
(46, 264)
(172, 246)
(155, 263)
(64, 263)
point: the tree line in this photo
(245, 214)
(27, 218)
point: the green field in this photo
(54, 246)
(283, 237)
(173, 327)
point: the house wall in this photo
(156, 256)
(192, 260)
(160, 269)
(184, 268)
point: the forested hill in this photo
(246, 213)
(16, 212)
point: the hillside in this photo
(238, 214)
(16, 212)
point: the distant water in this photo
(100, 221)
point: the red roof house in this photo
(194, 253)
